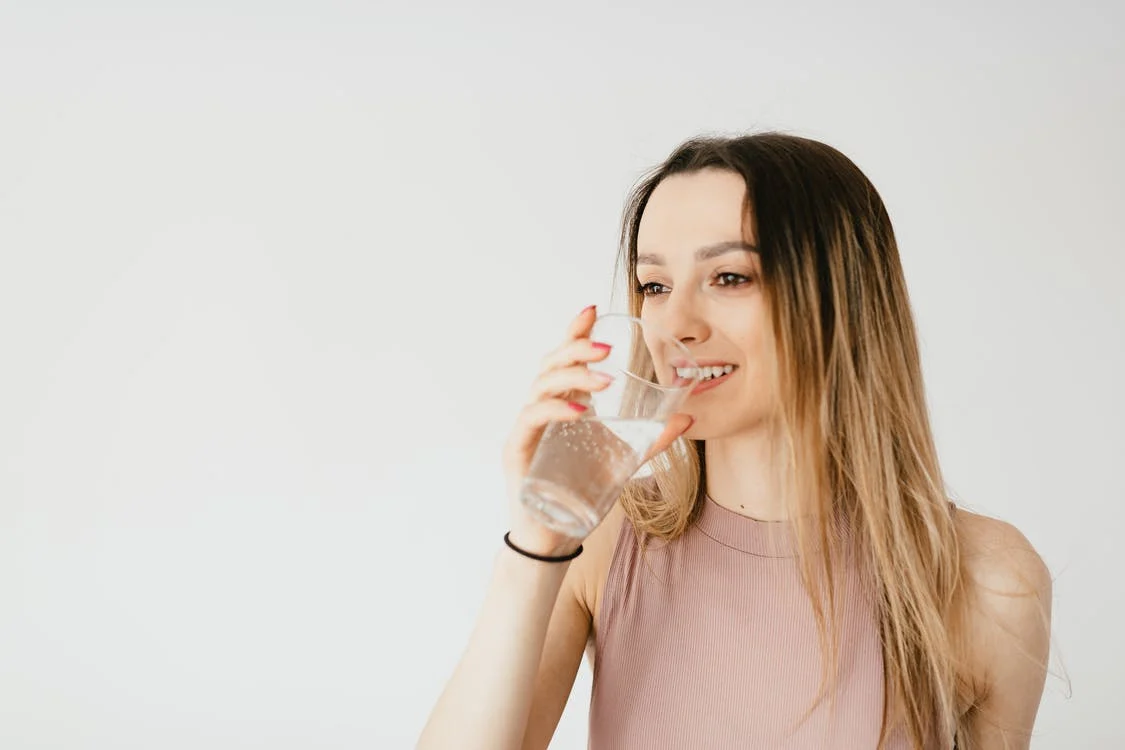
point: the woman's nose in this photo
(684, 320)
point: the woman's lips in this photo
(707, 385)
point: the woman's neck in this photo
(743, 475)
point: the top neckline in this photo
(762, 538)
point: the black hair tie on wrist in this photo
(542, 558)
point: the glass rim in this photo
(687, 357)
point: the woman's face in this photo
(700, 277)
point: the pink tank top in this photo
(710, 641)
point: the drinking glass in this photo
(580, 466)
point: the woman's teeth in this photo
(706, 373)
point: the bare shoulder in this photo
(1008, 618)
(999, 560)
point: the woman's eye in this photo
(728, 278)
(725, 279)
(651, 289)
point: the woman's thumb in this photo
(677, 425)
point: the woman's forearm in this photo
(486, 702)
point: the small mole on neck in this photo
(740, 505)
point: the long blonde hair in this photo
(853, 423)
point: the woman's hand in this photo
(560, 393)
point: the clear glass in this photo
(580, 467)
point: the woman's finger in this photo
(561, 381)
(530, 424)
(578, 351)
(677, 425)
(582, 324)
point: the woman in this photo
(793, 574)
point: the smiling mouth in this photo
(706, 373)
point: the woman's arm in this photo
(1009, 632)
(487, 701)
(515, 676)
(516, 701)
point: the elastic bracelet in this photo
(542, 558)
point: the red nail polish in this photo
(577, 407)
(600, 345)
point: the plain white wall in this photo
(274, 278)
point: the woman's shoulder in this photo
(996, 554)
(1008, 591)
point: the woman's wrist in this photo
(540, 543)
(560, 557)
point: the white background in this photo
(274, 278)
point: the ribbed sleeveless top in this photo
(710, 641)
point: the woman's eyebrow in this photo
(707, 252)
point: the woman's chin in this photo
(715, 427)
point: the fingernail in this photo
(577, 407)
(587, 309)
(605, 377)
(600, 345)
